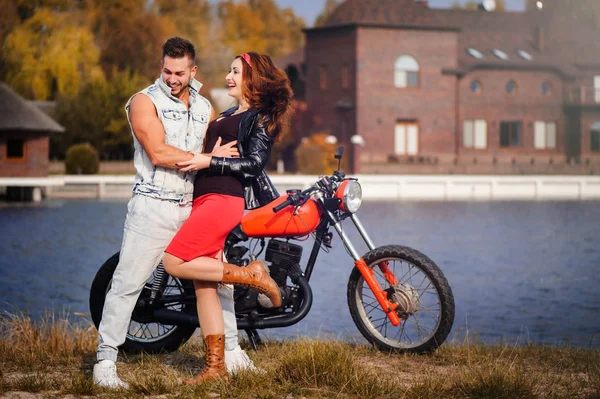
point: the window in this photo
(475, 53)
(595, 137)
(475, 134)
(475, 86)
(525, 55)
(511, 87)
(510, 133)
(345, 76)
(406, 140)
(546, 88)
(544, 135)
(500, 54)
(15, 149)
(597, 88)
(406, 72)
(323, 77)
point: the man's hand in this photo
(199, 161)
(228, 150)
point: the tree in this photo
(47, 56)
(330, 6)
(190, 19)
(129, 36)
(240, 30)
(313, 155)
(473, 5)
(96, 115)
(470, 5)
(283, 29)
(9, 18)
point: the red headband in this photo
(246, 58)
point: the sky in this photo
(309, 9)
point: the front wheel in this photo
(422, 293)
(144, 334)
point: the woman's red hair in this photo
(267, 89)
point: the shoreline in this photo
(374, 187)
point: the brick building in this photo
(24, 136)
(457, 91)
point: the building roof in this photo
(16, 114)
(295, 58)
(566, 44)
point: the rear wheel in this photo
(423, 295)
(144, 333)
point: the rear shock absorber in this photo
(160, 281)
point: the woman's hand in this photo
(228, 150)
(198, 161)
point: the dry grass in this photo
(53, 358)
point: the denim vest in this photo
(184, 129)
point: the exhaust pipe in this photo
(173, 317)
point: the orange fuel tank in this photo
(262, 222)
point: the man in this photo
(167, 120)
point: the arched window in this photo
(546, 88)
(406, 72)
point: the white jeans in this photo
(149, 227)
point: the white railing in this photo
(375, 187)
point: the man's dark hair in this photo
(177, 47)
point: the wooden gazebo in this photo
(24, 136)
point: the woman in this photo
(223, 188)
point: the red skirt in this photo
(213, 216)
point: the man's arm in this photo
(150, 132)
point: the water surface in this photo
(521, 272)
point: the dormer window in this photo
(525, 55)
(500, 54)
(475, 53)
(511, 87)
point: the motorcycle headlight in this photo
(350, 194)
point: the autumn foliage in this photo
(314, 155)
(82, 159)
(90, 56)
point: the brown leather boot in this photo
(214, 367)
(256, 276)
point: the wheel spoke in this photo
(417, 285)
(153, 331)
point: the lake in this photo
(521, 272)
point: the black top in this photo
(208, 182)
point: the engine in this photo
(284, 259)
(283, 256)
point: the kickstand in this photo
(254, 339)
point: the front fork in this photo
(368, 274)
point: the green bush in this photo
(82, 159)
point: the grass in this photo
(54, 358)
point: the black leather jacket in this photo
(254, 145)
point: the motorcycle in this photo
(398, 298)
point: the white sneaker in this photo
(105, 375)
(237, 360)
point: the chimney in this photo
(539, 38)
